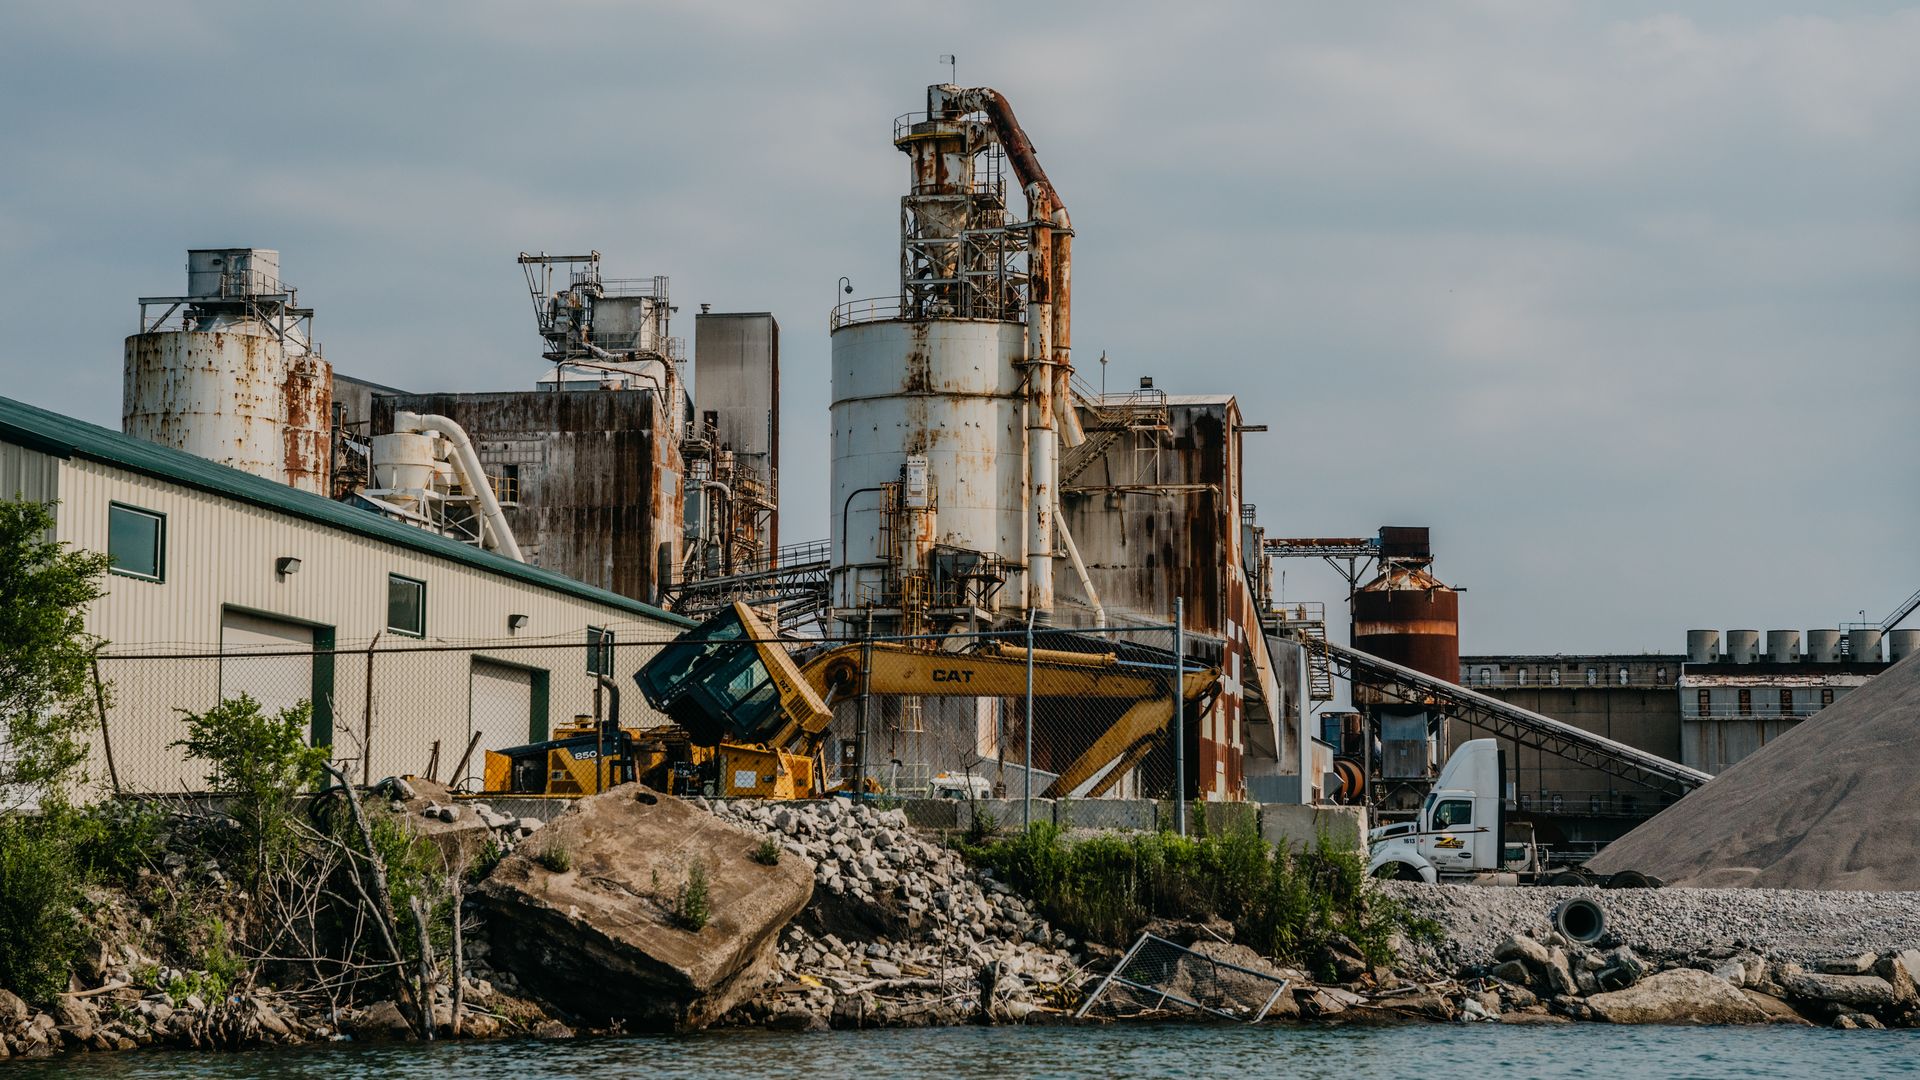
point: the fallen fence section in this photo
(1156, 972)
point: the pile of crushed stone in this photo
(1828, 805)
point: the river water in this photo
(1121, 1051)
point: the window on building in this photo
(599, 651)
(1521, 678)
(1746, 702)
(1660, 676)
(137, 542)
(1786, 702)
(1704, 706)
(1486, 679)
(1826, 697)
(406, 606)
(1593, 676)
(1553, 676)
(1453, 812)
(1623, 676)
(506, 483)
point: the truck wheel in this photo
(1627, 879)
(1569, 877)
(1397, 871)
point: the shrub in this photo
(690, 905)
(263, 763)
(113, 840)
(484, 861)
(768, 853)
(38, 892)
(1282, 901)
(981, 827)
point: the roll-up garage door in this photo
(276, 682)
(500, 711)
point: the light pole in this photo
(843, 287)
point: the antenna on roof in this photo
(953, 68)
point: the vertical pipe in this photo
(1180, 714)
(1026, 800)
(1306, 747)
(866, 702)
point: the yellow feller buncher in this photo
(750, 721)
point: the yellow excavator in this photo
(749, 720)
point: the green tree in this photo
(264, 763)
(46, 693)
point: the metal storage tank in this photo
(948, 390)
(1703, 646)
(234, 378)
(1783, 646)
(1823, 646)
(1743, 646)
(1407, 616)
(1863, 646)
(1902, 644)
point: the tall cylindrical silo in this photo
(1407, 616)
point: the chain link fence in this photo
(1094, 720)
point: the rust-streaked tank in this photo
(1408, 616)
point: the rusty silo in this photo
(1405, 614)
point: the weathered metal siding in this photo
(233, 396)
(1157, 519)
(221, 554)
(28, 474)
(1408, 617)
(599, 477)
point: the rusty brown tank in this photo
(1407, 616)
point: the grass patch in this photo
(768, 853)
(555, 858)
(691, 905)
(1283, 902)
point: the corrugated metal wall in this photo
(220, 556)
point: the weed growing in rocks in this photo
(690, 906)
(555, 858)
(768, 853)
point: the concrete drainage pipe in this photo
(1580, 920)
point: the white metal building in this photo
(212, 564)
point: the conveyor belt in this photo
(1523, 726)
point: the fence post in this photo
(1180, 715)
(1026, 800)
(106, 737)
(866, 708)
(366, 720)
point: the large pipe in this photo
(497, 535)
(1049, 332)
(1079, 567)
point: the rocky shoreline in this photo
(897, 929)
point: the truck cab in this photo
(1460, 832)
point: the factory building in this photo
(212, 565)
(1630, 698)
(1735, 700)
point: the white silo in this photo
(1703, 646)
(1902, 644)
(1823, 646)
(1863, 646)
(965, 374)
(230, 372)
(1783, 646)
(1743, 646)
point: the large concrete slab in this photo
(1299, 826)
(1136, 814)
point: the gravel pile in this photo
(1824, 806)
(923, 936)
(1778, 924)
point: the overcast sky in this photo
(1622, 299)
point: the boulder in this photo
(1559, 977)
(1778, 1012)
(1522, 948)
(12, 1009)
(1862, 993)
(599, 939)
(1680, 996)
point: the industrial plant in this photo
(1087, 555)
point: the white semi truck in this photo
(1462, 834)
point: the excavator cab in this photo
(731, 680)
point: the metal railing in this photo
(871, 309)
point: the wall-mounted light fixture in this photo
(286, 564)
(515, 622)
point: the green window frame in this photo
(135, 552)
(599, 651)
(406, 605)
